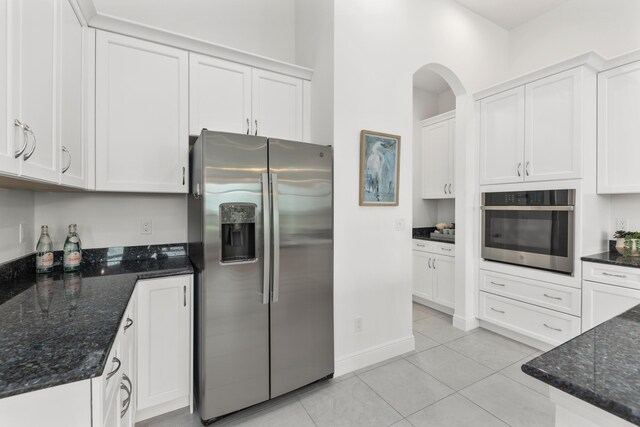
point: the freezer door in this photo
(302, 272)
(233, 319)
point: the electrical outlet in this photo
(400, 224)
(145, 226)
(622, 224)
(357, 324)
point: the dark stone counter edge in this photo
(99, 370)
(429, 239)
(633, 262)
(581, 393)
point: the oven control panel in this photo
(530, 198)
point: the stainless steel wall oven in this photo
(530, 228)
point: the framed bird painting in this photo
(379, 169)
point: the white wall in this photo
(446, 209)
(446, 101)
(111, 219)
(379, 44)
(626, 207)
(16, 207)
(262, 27)
(425, 105)
(610, 27)
(314, 49)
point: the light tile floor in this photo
(453, 378)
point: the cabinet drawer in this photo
(548, 295)
(447, 249)
(536, 322)
(628, 277)
(422, 245)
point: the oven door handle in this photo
(529, 208)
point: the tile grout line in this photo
(299, 400)
(485, 410)
(383, 399)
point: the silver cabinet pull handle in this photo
(128, 323)
(126, 402)
(25, 138)
(275, 203)
(248, 125)
(519, 169)
(549, 296)
(33, 149)
(184, 171)
(429, 262)
(66, 168)
(446, 249)
(498, 311)
(184, 296)
(418, 244)
(622, 276)
(112, 373)
(256, 122)
(552, 328)
(266, 231)
(498, 284)
(445, 189)
(434, 263)
(449, 188)
(526, 168)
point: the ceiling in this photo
(510, 13)
(430, 81)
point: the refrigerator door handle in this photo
(266, 248)
(275, 196)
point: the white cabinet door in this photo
(619, 129)
(436, 154)
(444, 280)
(164, 344)
(277, 105)
(422, 274)
(71, 105)
(601, 302)
(142, 135)
(219, 95)
(553, 123)
(8, 163)
(502, 137)
(33, 86)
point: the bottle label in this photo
(72, 259)
(45, 260)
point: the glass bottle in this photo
(72, 251)
(44, 252)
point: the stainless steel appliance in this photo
(261, 241)
(530, 228)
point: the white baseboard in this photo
(369, 356)
(154, 411)
(434, 305)
(466, 324)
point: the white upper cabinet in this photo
(142, 135)
(619, 129)
(502, 137)
(553, 127)
(8, 164)
(277, 105)
(219, 95)
(438, 142)
(33, 87)
(534, 132)
(73, 114)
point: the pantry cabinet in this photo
(434, 273)
(534, 132)
(230, 97)
(619, 129)
(438, 150)
(142, 135)
(8, 163)
(165, 337)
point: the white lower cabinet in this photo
(164, 338)
(434, 273)
(616, 290)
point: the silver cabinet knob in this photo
(25, 138)
(519, 169)
(248, 125)
(66, 168)
(35, 143)
(526, 168)
(256, 122)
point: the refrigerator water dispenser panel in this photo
(238, 228)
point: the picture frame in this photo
(379, 168)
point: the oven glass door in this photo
(531, 231)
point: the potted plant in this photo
(627, 242)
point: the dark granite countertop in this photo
(424, 233)
(59, 328)
(601, 366)
(613, 258)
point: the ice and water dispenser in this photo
(238, 228)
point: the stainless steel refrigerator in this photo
(261, 241)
